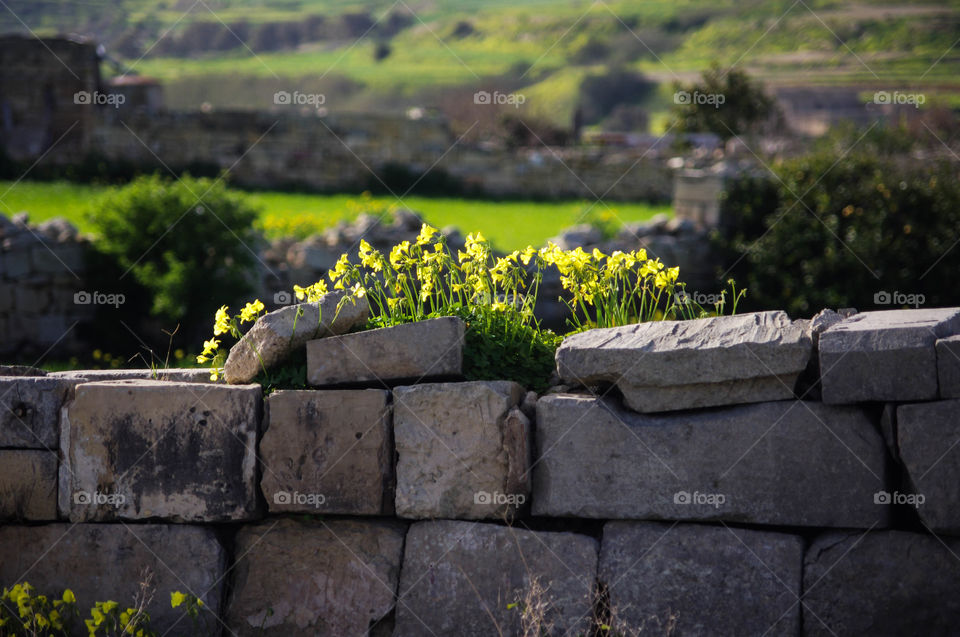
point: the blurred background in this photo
(159, 158)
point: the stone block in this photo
(881, 583)
(137, 449)
(426, 350)
(948, 366)
(28, 484)
(884, 356)
(674, 365)
(30, 410)
(276, 335)
(328, 452)
(461, 578)
(927, 435)
(101, 562)
(462, 450)
(780, 463)
(333, 578)
(702, 580)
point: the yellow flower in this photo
(426, 234)
(358, 291)
(214, 373)
(221, 323)
(69, 597)
(251, 311)
(299, 292)
(177, 598)
(528, 254)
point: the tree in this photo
(726, 103)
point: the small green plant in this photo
(194, 607)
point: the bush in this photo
(186, 241)
(867, 224)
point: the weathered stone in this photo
(318, 578)
(182, 375)
(57, 257)
(279, 333)
(751, 463)
(30, 410)
(28, 484)
(703, 580)
(808, 385)
(21, 370)
(672, 365)
(926, 437)
(156, 449)
(881, 583)
(886, 356)
(460, 578)
(404, 353)
(461, 450)
(328, 452)
(948, 366)
(101, 562)
(16, 263)
(28, 299)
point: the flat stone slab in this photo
(30, 410)
(296, 578)
(276, 335)
(702, 580)
(426, 350)
(28, 484)
(750, 463)
(927, 435)
(135, 449)
(460, 578)
(948, 366)
(673, 365)
(884, 356)
(101, 562)
(883, 583)
(462, 450)
(328, 452)
(183, 375)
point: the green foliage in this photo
(24, 612)
(725, 103)
(179, 239)
(837, 233)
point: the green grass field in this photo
(508, 224)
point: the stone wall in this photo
(43, 295)
(730, 476)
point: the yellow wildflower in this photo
(221, 323)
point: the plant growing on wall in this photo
(495, 296)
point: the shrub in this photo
(836, 233)
(180, 239)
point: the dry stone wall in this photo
(413, 502)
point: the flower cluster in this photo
(223, 323)
(35, 614)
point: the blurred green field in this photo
(508, 224)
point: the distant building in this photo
(47, 90)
